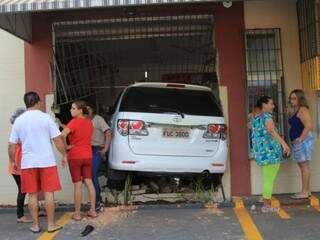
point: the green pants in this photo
(269, 173)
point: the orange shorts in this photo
(35, 180)
(80, 169)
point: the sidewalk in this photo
(231, 220)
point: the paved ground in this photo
(295, 222)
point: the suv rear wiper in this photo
(169, 110)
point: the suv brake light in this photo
(123, 127)
(132, 127)
(216, 131)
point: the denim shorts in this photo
(303, 151)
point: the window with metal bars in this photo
(265, 72)
(309, 28)
(101, 57)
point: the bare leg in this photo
(49, 199)
(77, 200)
(92, 196)
(305, 176)
(33, 207)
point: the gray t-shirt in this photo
(99, 128)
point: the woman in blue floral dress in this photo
(267, 148)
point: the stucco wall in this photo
(12, 79)
(281, 14)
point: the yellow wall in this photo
(12, 79)
(281, 14)
(11, 93)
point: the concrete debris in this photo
(165, 189)
(212, 208)
(102, 180)
(154, 186)
(135, 187)
(144, 186)
(138, 192)
(111, 216)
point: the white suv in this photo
(167, 128)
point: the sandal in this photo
(57, 228)
(269, 209)
(24, 220)
(35, 230)
(88, 229)
(299, 196)
(92, 215)
(76, 218)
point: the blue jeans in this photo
(96, 163)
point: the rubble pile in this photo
(161, 190)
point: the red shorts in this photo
(80, 169)
(35, 180)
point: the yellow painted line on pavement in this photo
(281, 213)
(314, 202)
(61, 222)
(249, 228)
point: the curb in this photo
(284, 199)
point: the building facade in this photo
(237, 31)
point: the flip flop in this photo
(76, 218)
(35, 230)
(90, 215)
(269, 209)
(25, 220)
(55, 229)
(88, 229)
(299, 196)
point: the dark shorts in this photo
(80, 169)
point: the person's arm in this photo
(250, 117)
(62, 125)
(12, 145)
(305, 117)
(61, 146)
(11, 151)
(271, 130)
(57, 139)
(104, 127)
(107, 137)
(65, 132)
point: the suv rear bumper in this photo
(122, 158)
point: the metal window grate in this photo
(264, 70)
(308, 19)
(100, 57)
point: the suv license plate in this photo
(176, 132)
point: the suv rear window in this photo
(158, 100)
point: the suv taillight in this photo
(132, 127)
(216, 131)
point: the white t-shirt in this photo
(35, 129)
(99, 128)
